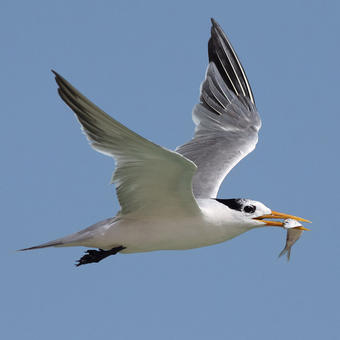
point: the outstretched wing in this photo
(226, 118)
(150, 180)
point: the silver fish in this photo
(294, 232)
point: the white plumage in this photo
(168, 198)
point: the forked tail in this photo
(54, 243)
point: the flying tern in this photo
(168, 199)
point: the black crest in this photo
(232, 203)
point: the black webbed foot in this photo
(97, 255)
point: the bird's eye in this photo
(249, 209)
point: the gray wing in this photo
(150, 180)
(226, 119)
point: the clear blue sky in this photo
(142, 62)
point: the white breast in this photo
(216, 224)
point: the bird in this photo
(168, 199)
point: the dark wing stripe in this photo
(234, 66)
(223, 71)
(228, 68)
(216, 93)
(213, 73)
(207, 98)
(222, 54)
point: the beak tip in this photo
(303, 228)
(277, 215)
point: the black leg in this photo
(97, 255)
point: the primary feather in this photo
(144, 171)
(226, 119)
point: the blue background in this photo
(143, 62)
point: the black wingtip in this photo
(57, 76)
(222, 54)
(213, 21)
(216, 25)
(55, 73)
(61, 81)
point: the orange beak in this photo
(277, 215)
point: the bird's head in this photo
(258, 212)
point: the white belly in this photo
(214, 224)
(142, 235)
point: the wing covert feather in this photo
(150, 180)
